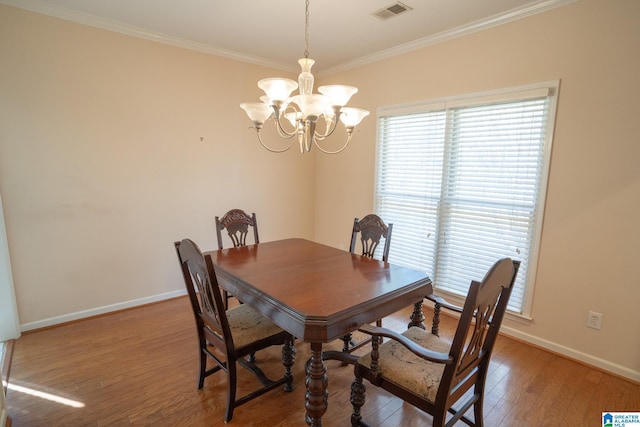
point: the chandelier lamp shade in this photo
(307, 116)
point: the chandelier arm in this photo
(349, 134)
(282, 131)
(272, 149)
(328, 132)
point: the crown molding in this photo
(474, 27)
(444, 36)
(118, 27)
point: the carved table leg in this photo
(417, 317)
(317, 395)
(357, 400)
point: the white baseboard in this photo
(98, 310)
(554, 347)
(588, 359)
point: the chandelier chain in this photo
(306, 30)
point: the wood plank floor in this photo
(138, 367)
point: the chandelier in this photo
(300, 115)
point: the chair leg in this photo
(477, 411)
(288, 358)
(439, 419)
(203, 369)
(231, 390)
(357, 400)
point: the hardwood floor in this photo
(139, 367)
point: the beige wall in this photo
(590, 249)
(102, 167)
(100, 147)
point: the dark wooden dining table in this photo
(318, 294)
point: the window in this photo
(463, 181)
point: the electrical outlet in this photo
(594, 320)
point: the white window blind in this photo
(464, 185)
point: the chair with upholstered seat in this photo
(229, 336)
(432, 374)
(371, 229)
(236, 222)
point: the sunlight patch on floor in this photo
(45, 395)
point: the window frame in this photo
(549, 89)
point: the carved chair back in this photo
(237, 223)
(371, 229)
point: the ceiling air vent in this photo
(393, 10)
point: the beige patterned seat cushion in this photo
(400, 366)
(247, 325)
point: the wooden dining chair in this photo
(236, 222)
(432, 374)
(229, 337)
(371, 230)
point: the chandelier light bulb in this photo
(311, 105)
(277, 89)
(258, 112)
(338, 94)
(351, 117)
